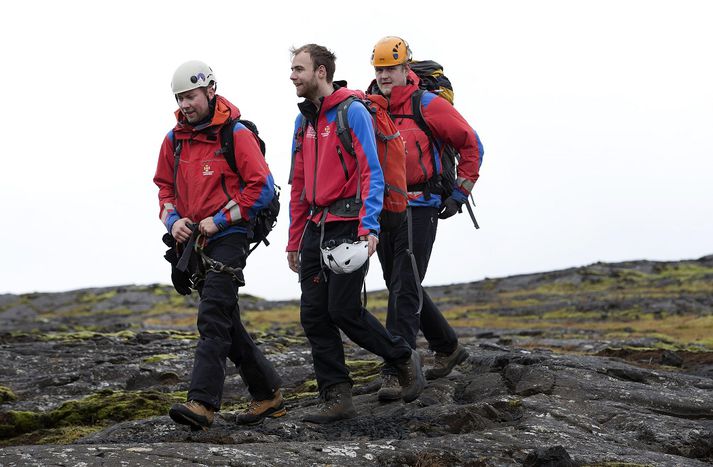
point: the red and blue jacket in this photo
(205, 185)
(324, 172)
(448, 127)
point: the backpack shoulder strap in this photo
(177, 146)
(418, 113)
(227, 144)
(227, 141)
(299, 138)
(343, 129)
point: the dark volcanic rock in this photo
(110, 362)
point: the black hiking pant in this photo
(402, 318)
(331, 302)
(222, 334)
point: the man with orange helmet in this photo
(398, 83)
(199, 192)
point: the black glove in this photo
(449, 207)
(181, 280)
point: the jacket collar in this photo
(401, 94)
(311, 112)
(224, 111)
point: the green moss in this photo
(6, 395)
(94, 298)
(685, 271)
(514, 403)
(14, 422)
(304, 390)
(180, 335)
(234, 406)
(83, 334)
(570, 313)
(63, 435)
(364, 371)
(160, 358)
(98, 408)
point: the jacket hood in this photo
(224, 111)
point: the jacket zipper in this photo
(316, 161)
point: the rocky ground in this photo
(609, 364)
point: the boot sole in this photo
(460, 358)
(388, 397)
(321, 421)
(183, 419)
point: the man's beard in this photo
(309, 89)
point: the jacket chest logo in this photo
(326, 132)
(310, 133)
(206, 170)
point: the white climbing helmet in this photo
(191, 75)
(346, 257)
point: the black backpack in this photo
(264, 221)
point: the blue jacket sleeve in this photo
(371, 176)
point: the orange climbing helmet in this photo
(390, 51)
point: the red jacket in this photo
(447, 125)
(324, 172)
(205, 184)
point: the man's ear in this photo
(322, 71)
(210, 92)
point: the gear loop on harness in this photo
(210, 264)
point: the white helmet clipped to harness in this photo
(345, 257)
(192, 75)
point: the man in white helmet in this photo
(198, 190)
(335, 203)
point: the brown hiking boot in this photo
(337, 405)
(444, 363)
(390, 388)
(192, 413)
(258, 410)
(411, 377)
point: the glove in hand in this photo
(449, 207)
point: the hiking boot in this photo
(337, 405)
(411, 377)
(390, 388)
(444, 363)
(194, 414)
(258, 410)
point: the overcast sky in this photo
(596, 117)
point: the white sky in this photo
(596, 117)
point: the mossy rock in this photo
(160, 358)
(364, 371)
(6, 395)
(13, 423)
(63, 435)
(96, 409)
